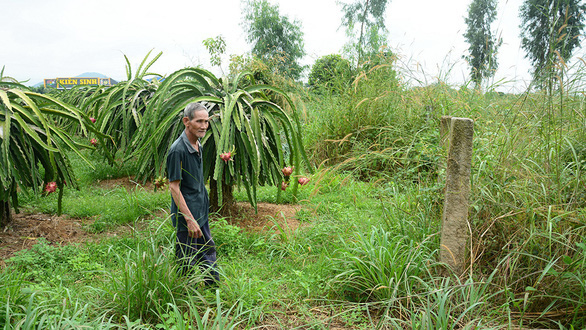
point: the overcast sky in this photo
(64, 38)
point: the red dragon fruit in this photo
(226, 156)
(303, 180)
(51, 187)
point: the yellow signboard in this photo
(67, 83)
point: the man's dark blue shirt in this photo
(184, 163)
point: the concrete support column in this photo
(455, 232)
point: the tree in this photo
(483, 43)
(274, 38)
(550, 31)
(368, 18)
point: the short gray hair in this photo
(191, 108)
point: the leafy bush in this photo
(331, 73)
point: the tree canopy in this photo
(483, 43)
(550, 30)
(274, 38)
(364, 21)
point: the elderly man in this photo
(190, 202)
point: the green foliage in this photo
(374, 130)
(332, 73)
(274, 38)
(483, 44)
(120, 109)
(213, 318)
(446, 305)
(550, 31)
(63, 312)
(119, 207)
(364, 21)
(262, 74)
(148, 281)
(101, 170)
(216, 47)
(228, 238)
(117, 110)
(12, 293)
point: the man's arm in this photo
(192, 226)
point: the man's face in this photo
(198, 125)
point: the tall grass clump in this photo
(60, 312)
(148, 281)
(381, 265)
(446, 304)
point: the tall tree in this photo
(274, 38)
(550, 30)
(484, 44)
(365, 26)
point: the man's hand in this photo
(193, 228)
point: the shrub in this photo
(332, 73)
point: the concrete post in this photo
(455, 231)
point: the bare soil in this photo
(26, 228)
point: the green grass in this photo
(368, 257)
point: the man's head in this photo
(196, 120)
(191, 108)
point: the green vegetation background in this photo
(367, 254)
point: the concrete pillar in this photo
(455, 232)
